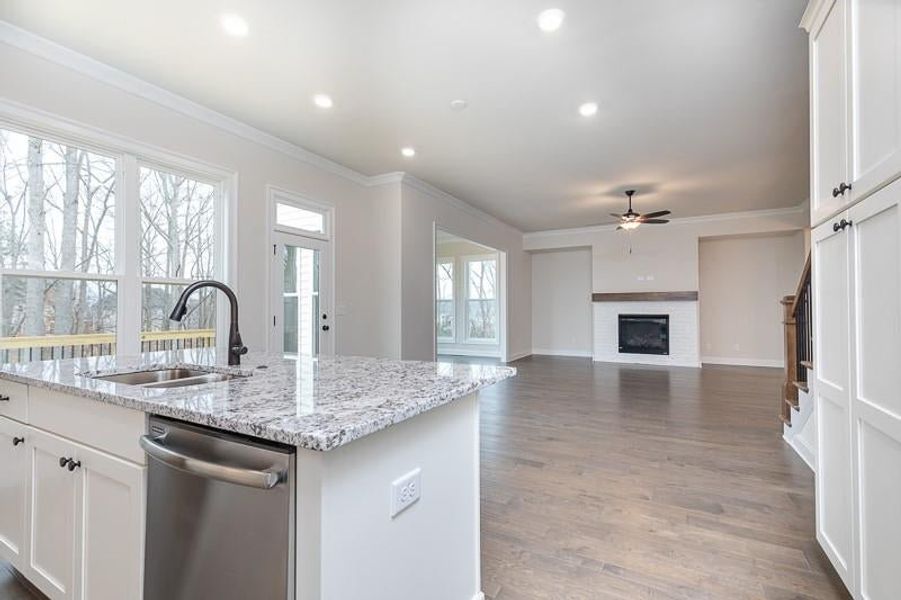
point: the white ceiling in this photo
(703, 103)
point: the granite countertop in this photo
(317, 403)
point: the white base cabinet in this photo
(71, 516)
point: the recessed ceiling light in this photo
(459, 104)
(589, 109)
(323, 101)
(551, 19)
(408, 151)
(234, 25)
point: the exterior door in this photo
(828, 111)
(302, 319)
(13, 490)
(876, 391)
(832, 367)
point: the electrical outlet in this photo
(405, 491)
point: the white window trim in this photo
(275, 195)
(129, 154)
(466, 260)
(452, 260)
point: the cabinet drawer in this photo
(110, 428)
(14, 400)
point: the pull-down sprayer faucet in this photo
(236, 347)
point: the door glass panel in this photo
(300, 301)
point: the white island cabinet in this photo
(74, 478)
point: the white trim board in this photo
(571, 353)
(743, 362)
(801, 449)
(490, 352)
(517, 356)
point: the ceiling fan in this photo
(630, 219)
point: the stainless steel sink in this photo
(166, 378)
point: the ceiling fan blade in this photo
(616, 215)
(655, 221)
(654, 215)
(619, 227)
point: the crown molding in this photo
(750, 214)
(813, 14)
(386, 178)
(80, 63)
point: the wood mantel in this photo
(645, 297)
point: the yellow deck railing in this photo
(102, 339)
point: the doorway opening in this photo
(469, 298)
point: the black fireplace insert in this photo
(644, 334)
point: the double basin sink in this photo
(167, 378)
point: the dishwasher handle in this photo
(265, 480)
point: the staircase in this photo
(798, 324)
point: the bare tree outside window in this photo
(445, 299)
(57, 229)
(481, 299)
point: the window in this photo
(178, 246)
(481, 300)
(295, 217)
(67, 267)
(445, 300)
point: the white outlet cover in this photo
(405, 491)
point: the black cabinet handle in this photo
(73, 464)
(4, 398)
(841, 189)
(18, 440)
(63, 461)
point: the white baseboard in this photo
(518, 355)
(743, 362)
(675, 363)
(575, 353)
(479, 596)
(801, 449)
(467, 352)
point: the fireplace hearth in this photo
(644, 334)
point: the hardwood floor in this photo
(606, 481)
(602, 481)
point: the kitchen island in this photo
(73, 476)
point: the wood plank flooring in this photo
(606, 481)
(602, 481)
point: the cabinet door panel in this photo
(829, 136)
(834, 498)
(112, 501)
(51, 565)
(13, 491)
(876, 397)
(876, 81)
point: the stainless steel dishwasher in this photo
(220, 515)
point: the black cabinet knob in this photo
(4, 398)
(325, 328)
(841, 189)
(18, 440)
(836, 227)
(73, 464)
(63, 461)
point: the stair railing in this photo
(798, 325)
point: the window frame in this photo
(453, 299)
(279, 195)
(130, 156)
(466, 261)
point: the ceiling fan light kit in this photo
(631, 220)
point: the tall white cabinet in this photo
(855, 70)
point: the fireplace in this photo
(644, 334)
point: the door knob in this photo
(18, 440)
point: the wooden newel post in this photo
(789, 391)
